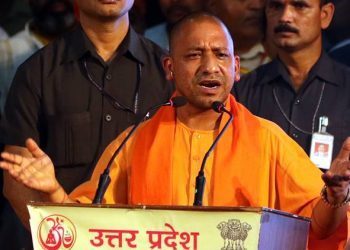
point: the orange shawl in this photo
(151, 179)
(255, 164)
(157, 137)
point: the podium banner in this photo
(109, 227)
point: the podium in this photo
(79, 226)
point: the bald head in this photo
(202, 62)
(195, 18)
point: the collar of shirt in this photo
(254, 52)
(31, 35)
(253, 58)
(324, 69)
(79, 45)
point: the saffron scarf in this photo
(151, 166)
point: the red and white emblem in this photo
(56, 232)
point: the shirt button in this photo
(297, 102)
(108, 118)
(197, 136)
(108, 76)
(295, 135)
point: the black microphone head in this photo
(178, 101)
(218, 106)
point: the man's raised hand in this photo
(35, 171)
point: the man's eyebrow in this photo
(211, 48)
(274, 1)
(221, 48)
(300, 1)
(196, 48)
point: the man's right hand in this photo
(35, 171)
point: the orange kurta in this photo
(254, 164)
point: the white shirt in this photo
(159, 35)
(13, 52)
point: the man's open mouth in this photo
(210, 84)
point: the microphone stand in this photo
(105, 179)
(200, 179)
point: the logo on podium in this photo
(56, 232)
(234, 233)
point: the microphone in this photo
(105, 179)
(200, 179)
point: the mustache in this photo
(284, 27)
(205, 77)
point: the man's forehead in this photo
(198, 27)
(209, 46)
(206, 27)
(194, 23)
(199, 36)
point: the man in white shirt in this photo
(172, 11)
(245, 21)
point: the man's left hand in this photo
(337, 178)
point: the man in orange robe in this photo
(254, 164)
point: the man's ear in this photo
(327, 12)
(237, 69)
(168, 68)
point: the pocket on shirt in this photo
(69, 139)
